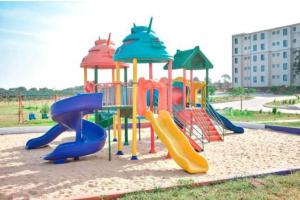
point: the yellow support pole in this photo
(134, 110)
(114, 117)
(118, 102)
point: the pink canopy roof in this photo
(101, 55)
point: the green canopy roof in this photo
(190, 59)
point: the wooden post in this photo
(20, 113)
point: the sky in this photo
(43, 43)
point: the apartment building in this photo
(265, 58)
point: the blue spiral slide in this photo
(90, 137)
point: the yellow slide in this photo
(177, 144)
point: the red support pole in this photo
(152, 148)
(184, 88)
(184, 94)
(170, 62)
(170, 86)
(191, 101)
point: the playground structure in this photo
(170, 105)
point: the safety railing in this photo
(188, 127)
(218, 122)
(109, 93)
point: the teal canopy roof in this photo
(142, 44)
(190, 59)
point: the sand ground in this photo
(24, 174)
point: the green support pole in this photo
(109, 144)
(206, 81)
(126, 143)
(96, 90)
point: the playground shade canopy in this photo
(143, 44)
(191, 59)
(100, 55)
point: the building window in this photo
(294, 40)
(245, 48)
(284, 77)
(254, 79)
(294, 28)
(235, 79)
(255, 58)
(277, 76)
(278, 32)
(262, 36)
(236, 70)
(254, 47)
(277, 65)
(236, 50)
(262, 46)
(273, 33)
(284, 31)
(245, 38)
(285, 66)
(278, 54)
(236, 41)
(284, 54)
(273, 54)
(262, 79)
(245, 58)
(273, 76)
(273, 66)
(236, 60)
(262, 57)
(254, 37)
(254, 68)
(249, 47)
(285, 43)
(262, 68)
(278, 43)
(273, 43)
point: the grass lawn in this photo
(269, 187)
(283, 103)
(9, 113)
(255, 116)
(224, 99)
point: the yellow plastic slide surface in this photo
(177, 144)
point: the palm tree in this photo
(296, 64)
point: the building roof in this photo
(143, 44)
(190, 59)
(100, 56)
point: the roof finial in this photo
(150, 25)
(108, 40)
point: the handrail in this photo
(215, 117)
(199, 120)
(199, 138)
(187, 121)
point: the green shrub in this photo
(274, 89)
(274, 111)
(45, 109)
(293, 101)
(260, 111)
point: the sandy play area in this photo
(25, 174)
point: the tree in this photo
(226, 80)
(296, 64)
(241, 92)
